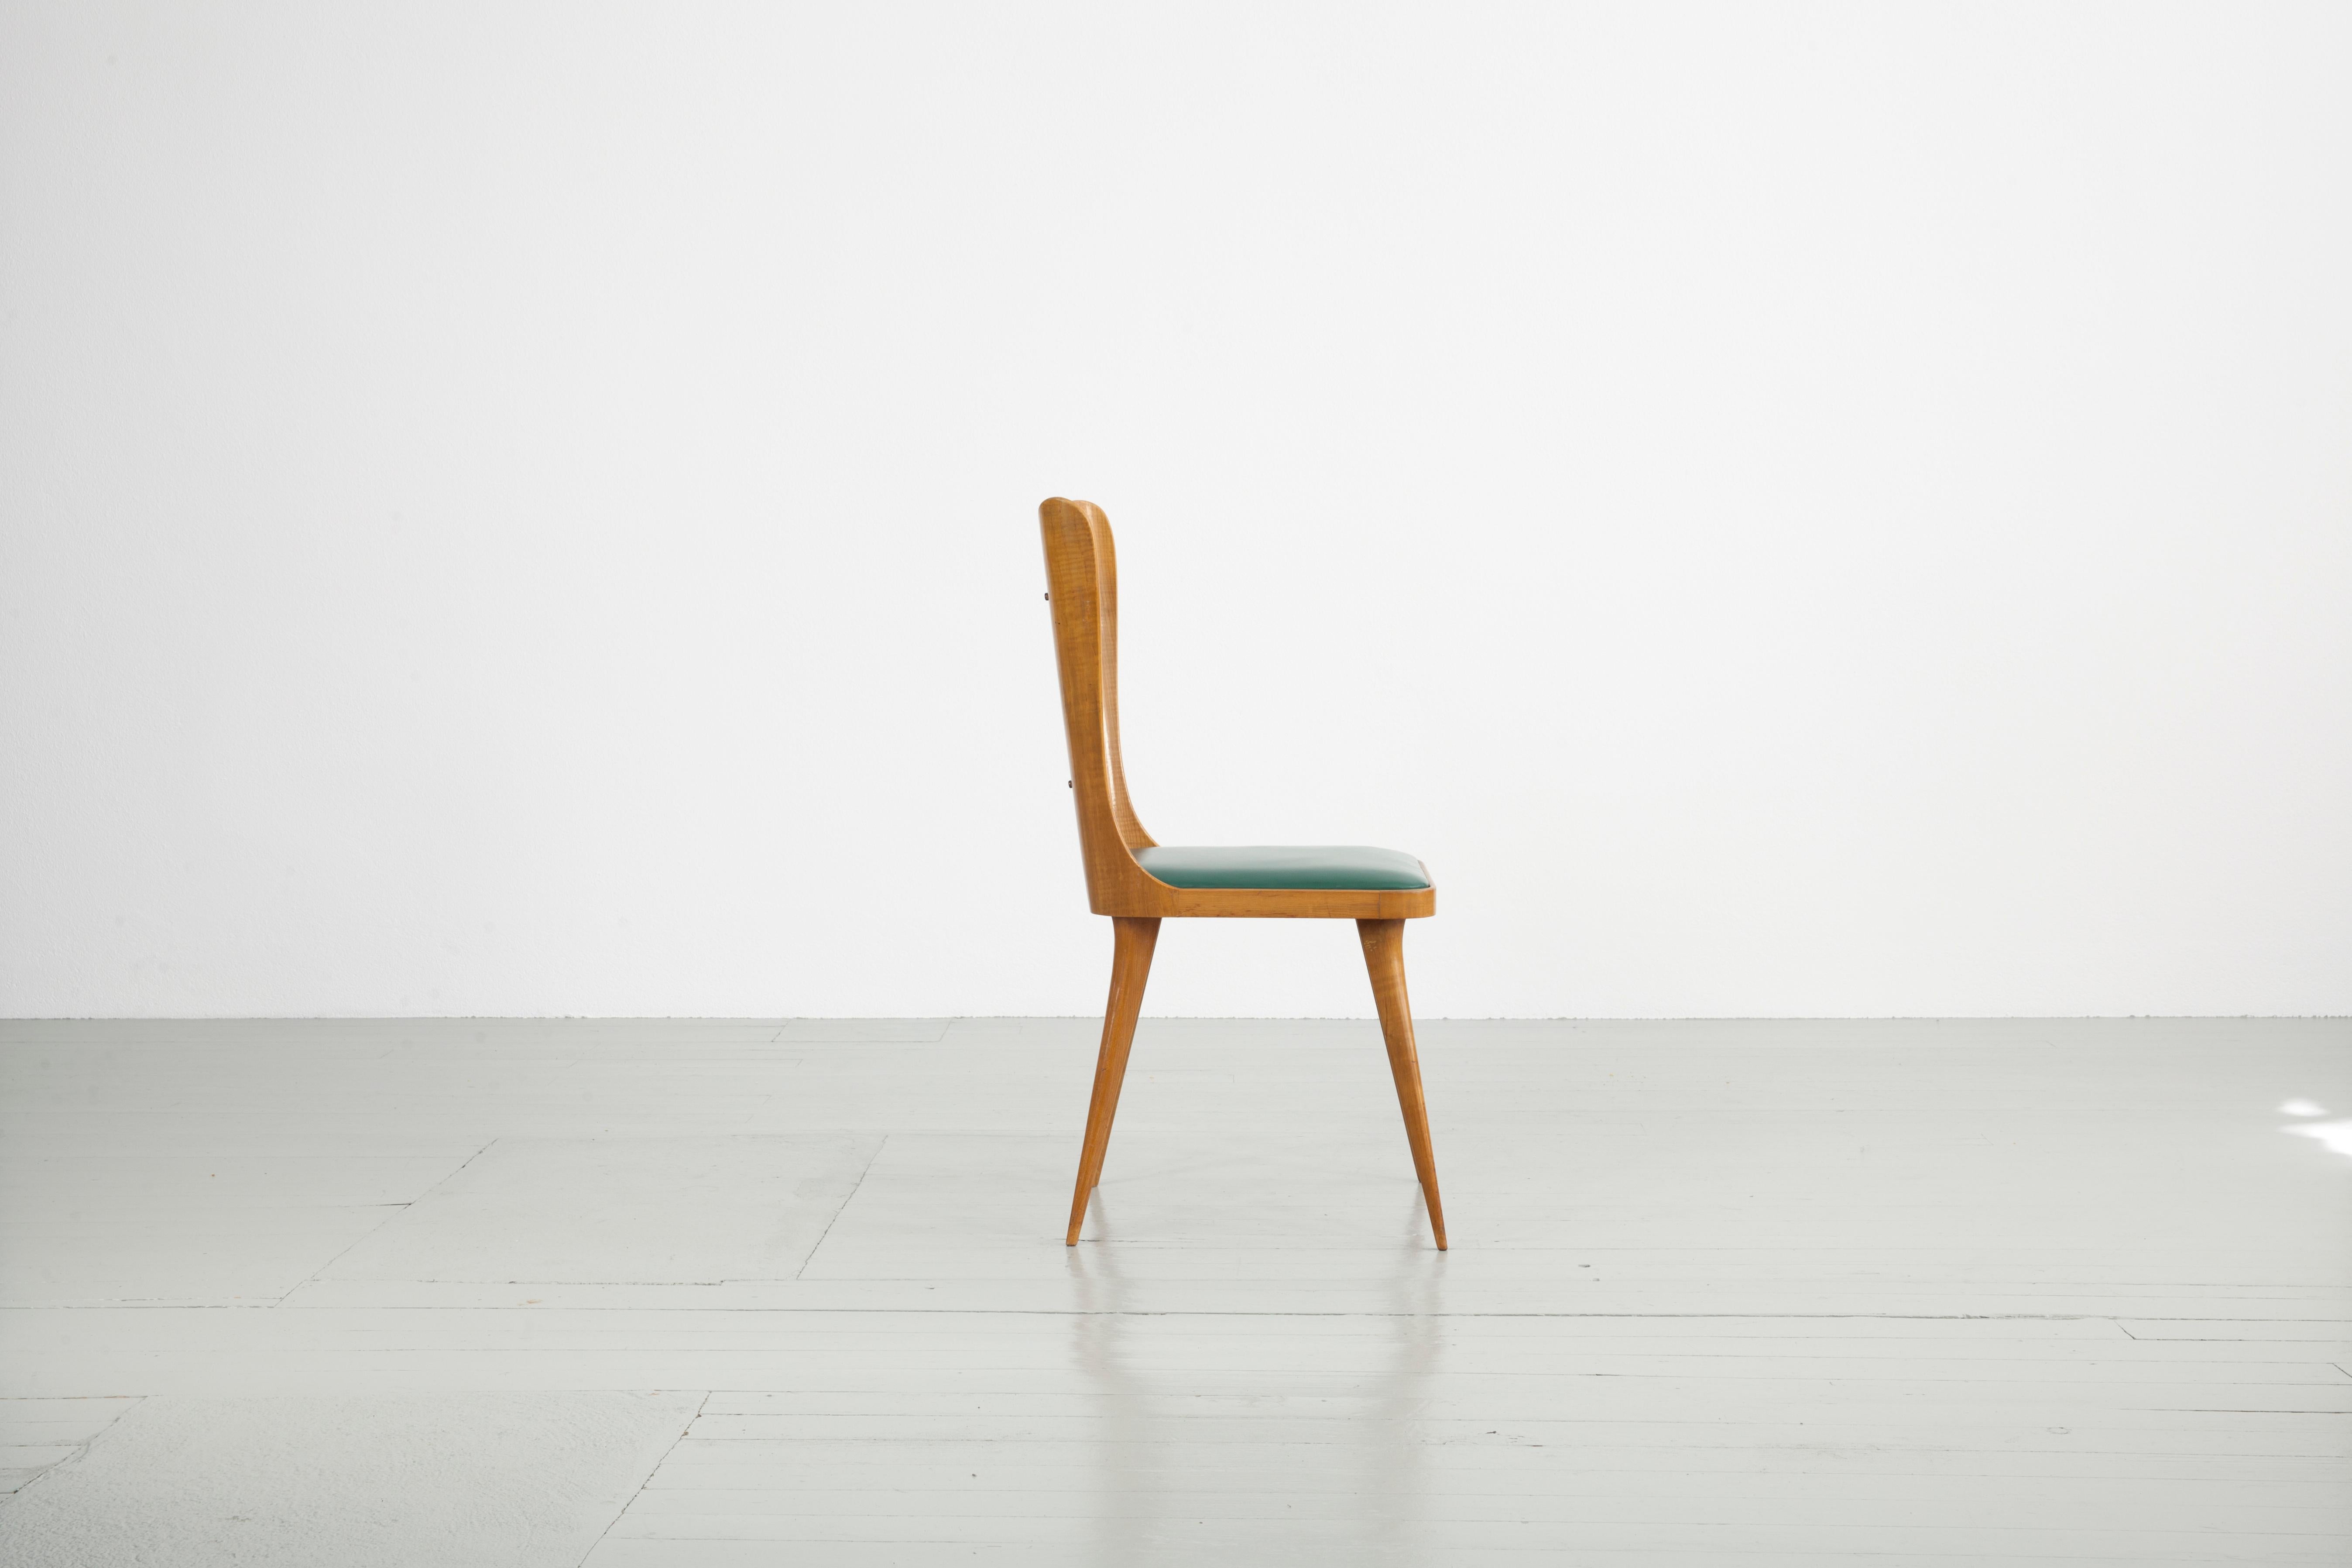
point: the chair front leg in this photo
(1384, 957)
(1131, 965)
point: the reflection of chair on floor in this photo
(1137, 882)
(1143, 1371)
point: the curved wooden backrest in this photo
(1082, 576)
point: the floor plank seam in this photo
(81, 1449)
(622, 1512)
(809, 1257)
(394, 1211)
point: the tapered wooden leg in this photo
(1131, 965)
(1384, 957)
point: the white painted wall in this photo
(1789, 510)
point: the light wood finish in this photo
(1082, 576)
(1131, 967)
(1384, 959)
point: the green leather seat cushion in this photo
(1353, 865)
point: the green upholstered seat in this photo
(1353, 865)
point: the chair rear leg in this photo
(1131, 965)
(1384, 957)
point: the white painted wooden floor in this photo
(673, 1294)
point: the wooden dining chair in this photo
(1138, 881)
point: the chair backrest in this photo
(1081, 577)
